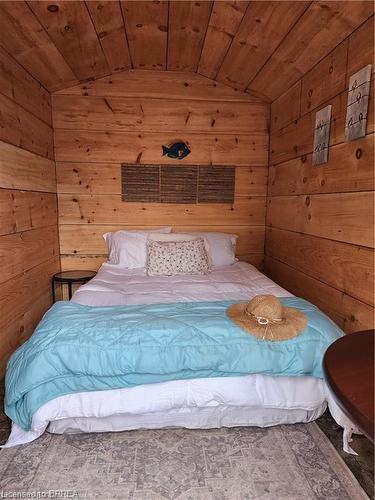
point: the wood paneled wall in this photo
(29, 248)
(320, 219)
(126, 119)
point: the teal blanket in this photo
(79, 348)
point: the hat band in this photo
(267, 323)
(263, 321)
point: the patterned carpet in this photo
(295, 462)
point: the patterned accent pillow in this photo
(169, 258)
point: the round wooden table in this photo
(71, 278)
(349, 371)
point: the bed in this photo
(254, 399)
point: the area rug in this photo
(291, 462)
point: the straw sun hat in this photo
(265, 317)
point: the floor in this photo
(362, 466)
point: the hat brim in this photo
(293, 323)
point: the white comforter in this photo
(250, 400)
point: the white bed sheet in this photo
(210, 402)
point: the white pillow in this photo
(172, 237)
(170, 258)
(221, 247)
(128, 248)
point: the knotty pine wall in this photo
(125, 119)
(320, 219)
(29, 249)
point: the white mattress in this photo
(211, 402)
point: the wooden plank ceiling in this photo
(262, 47)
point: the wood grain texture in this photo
(22, 36)
(20, 252)
(97, 133)
(20, 128)
(350, 314)
(19, 85)
(109, 209)
(319, 30)
(29, 244)
(174, 85)
(320, 220)
(105, 178)
(222, 27)
(286, 108)
(361, 48)
(263, 27)
(88, 239)
(23, 210)
(188, 22)
(93, 262)
(136, 114)
(350, 168)
(296, 139)
(348, 268)
(133, 147)
(22, 307)
(341, 216)
(326, 79)
(109, 26)
(146, 26)
(71, 30)
(20, 169)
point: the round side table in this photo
(349, 372)
(70, 278)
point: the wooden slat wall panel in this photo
(21, 128)
(188, 22)
(17, 84)
(224, 22)
(24, 38)
(20, 169)
(93, 262)
(109, 209)
(23, 210)
(320, 220)
(133, 147)
(83, 51)
(89, 239)
(29, 244)
(326, 79)
(263, 27)
(109, 26)
(146, 26)
(22, 251)
(295, 139)
(174, 85)
(135, 114)
(318, 257)
(319, 30)
(361, 48)
(23, 301)
(350, 314)
(286, 108)
(350, 168)
(126, 125)
(340, 216)
(105, 178)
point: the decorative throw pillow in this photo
(127, 249)
(169, 258)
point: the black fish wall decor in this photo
(176, 151)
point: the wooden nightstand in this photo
(70, 278)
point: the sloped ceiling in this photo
(261, 47)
